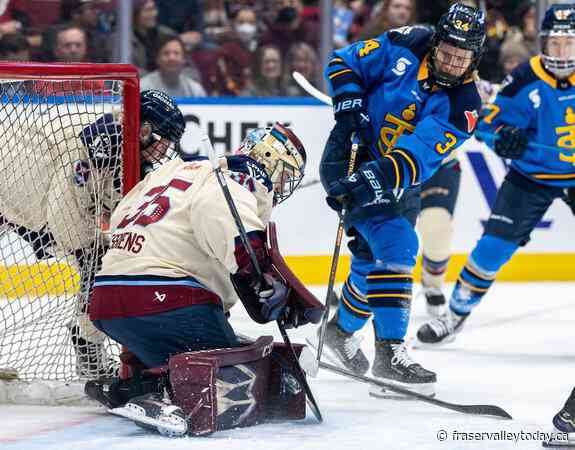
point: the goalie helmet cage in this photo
(55, 200)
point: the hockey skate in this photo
(153, 412)
(441, 330)
(394, 366)
(564, 422)
(434, 301)
(341, 348)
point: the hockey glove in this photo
(510, 142)
(570, 198)
(364, 187)
(351, 117)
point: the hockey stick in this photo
(324, 98)
(335, 256)
(309, 183)
(311, 89)
(209, 149)
(480, 410)
(491, 137)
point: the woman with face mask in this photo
(234, 58)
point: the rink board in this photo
(307, 226)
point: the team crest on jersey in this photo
(472, 118)
(81, 170)
(401, 66)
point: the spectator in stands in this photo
(170, 77)
(497, 27)
(288, 26)
(512, 53)
(146, 36)
(266, 73)
(185, 17)
(8, 22)
(301, 58)
(71, 45)
(84, 14)
(216, 23)
(389, 14)
(525, 35)
(231, 70)
(14, 47)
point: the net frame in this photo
(126, 73)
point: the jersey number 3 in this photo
(154, 209)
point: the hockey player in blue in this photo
(410, 98)
(536, 104)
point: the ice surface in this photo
(516, 352)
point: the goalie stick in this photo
(247, 244)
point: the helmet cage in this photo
(560, 67)
(462, 27)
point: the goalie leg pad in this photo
(236, 387)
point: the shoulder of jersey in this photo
(416, 38)
(464, 106)
(523, 75)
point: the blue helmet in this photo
(559, 21)
(162, 113)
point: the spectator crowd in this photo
(238, 48)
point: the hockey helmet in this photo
(462, 27)
(166, 127)
(559, 21)
(282, 156)
(161, 112)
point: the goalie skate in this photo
(151, 412)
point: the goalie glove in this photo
(264, 301)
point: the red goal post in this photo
(49, 254)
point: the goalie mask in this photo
(558, 40)
(282, 156)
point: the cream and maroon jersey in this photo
(176, 223)
(48, 179)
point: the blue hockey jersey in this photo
(414, 123)
(533, 99)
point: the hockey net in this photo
(58, 186)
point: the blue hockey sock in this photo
(389, 297)
(353, 311)
(479, 272)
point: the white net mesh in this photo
(60, 177)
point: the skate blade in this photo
(427, 389)
(171, 426)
